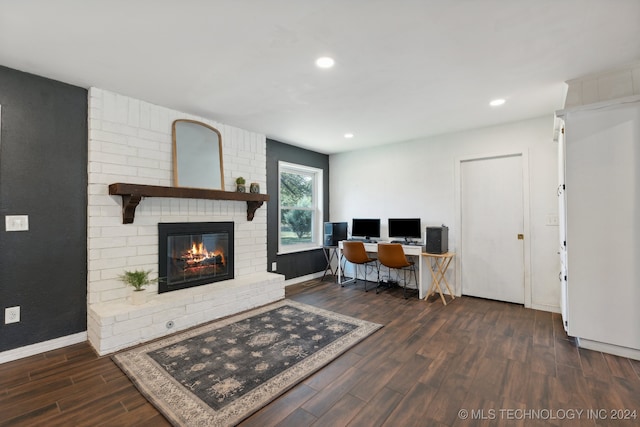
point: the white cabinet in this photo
(602, 176)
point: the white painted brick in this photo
(107, 242)
(113, 295)
(154, 331)
(121, 230)
(107, 264)
(148, 250)
(140, 133)
(169, 314)
(99, 221)
(108, 168)
(107, 285)
(115, 107)
(133, 118)
(125, 251)
(159, 137)
(153, 173)
(121, 341)
(132, 324)
(105, 136)
(190, 320)
(142, 260)
(120, 128)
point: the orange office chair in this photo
(392, 256)
(355, 253)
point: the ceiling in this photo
(405, 69)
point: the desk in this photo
(330, 252)
(413, 250)
(438, 264)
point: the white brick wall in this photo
(130, 141)
(118, 324)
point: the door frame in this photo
(524, 153)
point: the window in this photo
(300, 209)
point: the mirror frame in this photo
(176, 172)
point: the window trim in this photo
(317, 208)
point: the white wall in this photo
(417, 179)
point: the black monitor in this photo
(365, 227)
(405, 228)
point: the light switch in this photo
(16, 222)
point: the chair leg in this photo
(404, 282)
(415, 277)
(380, 285)
(365, 278)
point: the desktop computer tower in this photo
(437, 240)
(334, 232)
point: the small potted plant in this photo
(137, 279)
(240, 187)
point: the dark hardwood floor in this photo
(501, 363)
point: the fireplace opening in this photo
(194, 253)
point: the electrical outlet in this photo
(12, 314)
(274, 266)
(16, 222)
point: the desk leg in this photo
(339, 266)
(420, 280)
(436, 282)
(438, 276)
(329, 254)
(442, 267)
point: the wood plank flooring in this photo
(502, 363)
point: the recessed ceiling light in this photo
(348, 135)
(497, 102)
(325, 62)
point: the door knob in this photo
(520, 236)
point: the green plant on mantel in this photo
(240, 188)
(137, 278)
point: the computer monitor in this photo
(365, 227)
(405, 228)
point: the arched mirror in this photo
(197, 155)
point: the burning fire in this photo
(199, 254)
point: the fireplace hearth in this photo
(194, 253)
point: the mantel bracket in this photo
(129, 205)
(251, 209)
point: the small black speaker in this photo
(437, 240)
(334, 232)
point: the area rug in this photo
(222, 372)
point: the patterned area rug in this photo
(220, 373)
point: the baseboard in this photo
(544, 307)
(631, 353)
(41, 347)
(296, 280)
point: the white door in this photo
(492, 217)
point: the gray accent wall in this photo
(43, 174)
(301, 263)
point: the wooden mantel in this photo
(133, 193)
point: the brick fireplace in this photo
(194, 253)
(130, 141)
